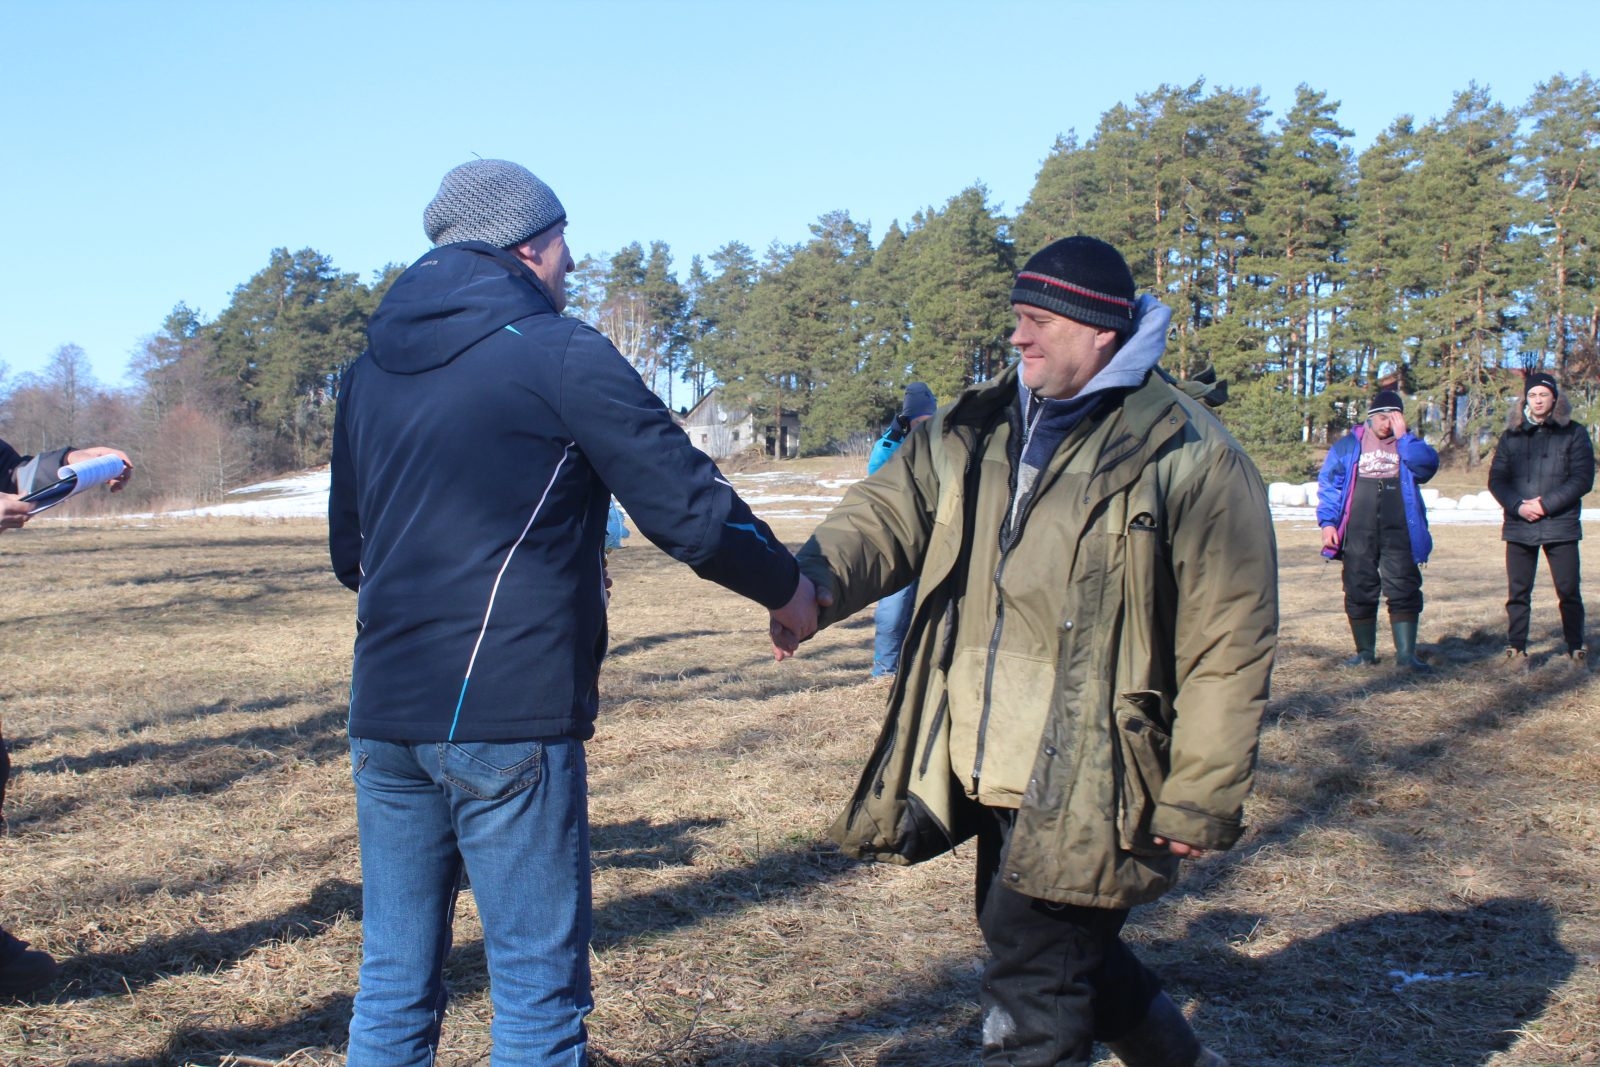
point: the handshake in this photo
(796, 621)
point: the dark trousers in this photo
(1522, 561)
(1377, 554)
(1059, 977)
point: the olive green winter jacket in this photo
(1161, 660)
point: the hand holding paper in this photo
(108, 465)
(79, 455)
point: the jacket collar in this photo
(1144, 420)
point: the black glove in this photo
(898, 428)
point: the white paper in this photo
(76, 477)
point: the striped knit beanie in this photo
(1084, 279)
(493, 201)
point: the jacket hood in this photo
(1130, 364)
(1140, 353)
(448, 301)
(1518, 421)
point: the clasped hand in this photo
(796, 621)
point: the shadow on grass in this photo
(924, 1024)
(144, 751)
(100, 974)
(325, 1023)
(1432, 987)
(1351, 760)
(753, 677)
(645, 642)
(276, 578)
(200, 765)
(641, 845)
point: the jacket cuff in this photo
(1194, 827)
(822, 577)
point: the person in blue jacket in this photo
(476, 446)
(1373, 518)
(893, 613)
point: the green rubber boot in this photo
(1405, 645)
(1365, 631)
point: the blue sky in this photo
(156, 152)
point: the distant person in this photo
(476, 445)
(25, 970)
(893, 613)
(1373, 518)
(1088, 662)
(1543, 466)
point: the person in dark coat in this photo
(477, 444)
(1542, 467)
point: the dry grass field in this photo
(1420, 885)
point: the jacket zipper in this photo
(1019, 509)
(1008, 540)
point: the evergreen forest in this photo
(1446, 258)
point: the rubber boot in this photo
(1365, 631)
(1405, 645)
(1163, 1039)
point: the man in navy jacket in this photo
(477, 444)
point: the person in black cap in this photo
(893, 612)
(1370, 508)
(1087, 659)
(1542, 467)
(476, 446)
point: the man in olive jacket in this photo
(1088, 657)
(1542, 467)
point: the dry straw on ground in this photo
(1418, 887)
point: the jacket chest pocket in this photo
(1141, 756)
(1142, 562)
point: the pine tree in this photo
(799, 349)
(1381, 269)
(1466, 298)
(280, 346)
(1561, 177)
(1304, 200)
(959, 267)
(719, 306)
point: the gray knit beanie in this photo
(493, 201)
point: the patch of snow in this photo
(306, 496)
(755, 501)
(303, 496)
(1408, 978)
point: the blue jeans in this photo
(890, 619)
(515, 813)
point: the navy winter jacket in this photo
(476, 446)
